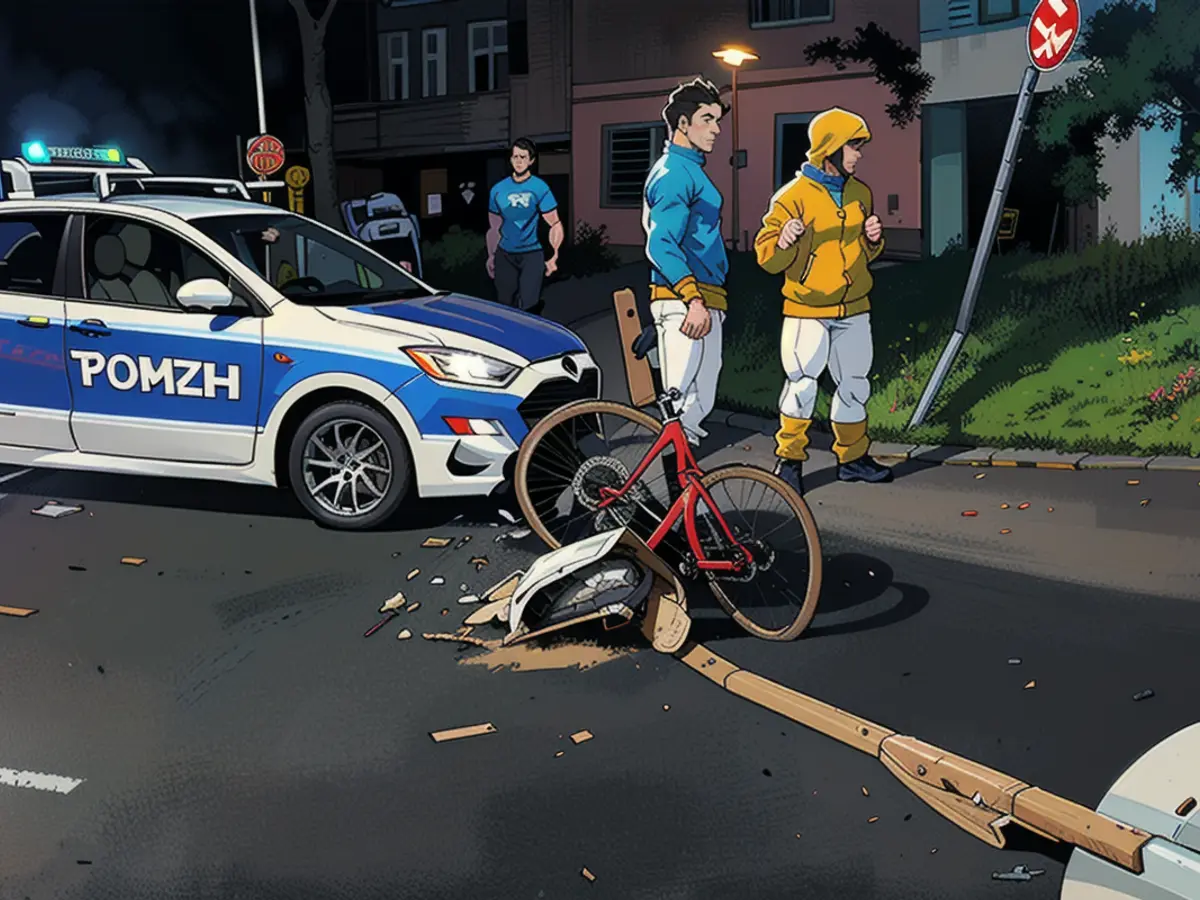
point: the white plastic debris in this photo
(437, 579)
(404, 635)
(52, 509)
(468, 599)
(507, 516)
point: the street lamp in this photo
(734, 57)
(258, 75)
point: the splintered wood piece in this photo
(454, 734)
(133, 560)
(436, 542)
(580, 736)
(17, 611)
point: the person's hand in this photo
(491, 267)
(698, 321)
(271, 235)
(552, 265)
(873, 229)
(790, 233)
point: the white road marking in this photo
(39, 781)
(11, 475)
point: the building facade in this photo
(457, 82)
(627, 57)
(976, 52)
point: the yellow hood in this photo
(829, 131)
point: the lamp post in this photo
(734, 57)
(258, 75)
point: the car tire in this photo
(350, 426)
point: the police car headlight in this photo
(462, 366)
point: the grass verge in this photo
(1094, 352)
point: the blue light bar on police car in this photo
(41, 154)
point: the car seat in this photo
(108, 263)
(147, 288)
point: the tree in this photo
(318, 110)
(1143, 70)
(894, 64)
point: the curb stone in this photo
(983, 456)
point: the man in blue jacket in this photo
(681, 216)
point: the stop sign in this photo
(264, 155)
(1053, 30)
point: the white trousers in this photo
(691, 367)
(808, 347)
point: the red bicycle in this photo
(595, 465)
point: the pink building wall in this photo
(891, 162)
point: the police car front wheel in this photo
(349, 466)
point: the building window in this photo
(489, 56)
(773, 13)
(998, 11)
(629, 152)
(433, 62)
(395, 65)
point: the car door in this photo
(35, 397)
(151, 379)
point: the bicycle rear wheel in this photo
(777, 598)
(584, 446)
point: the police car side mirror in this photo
(204, 293)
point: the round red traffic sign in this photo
(264, 155)
(1053, 30)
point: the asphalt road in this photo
(237, 737)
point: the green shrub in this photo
(588, 254)
(457, 250)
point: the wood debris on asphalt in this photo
(133, 560)
(558, 754)
(374, 628)
(404, 635)
(580, 736)
(397, 603)
(1006, 531)
(414, 606)
(1031, 684)
(1004, 506)
(872, 820)
(479, 562)
(587, 873)
(18, 611)
(1134, 482)
(865, 792)
(462, 542)
(1145, 501)
(413, 574)
(1023, 506)
(454, 734)
(461, 639)
(436, 542)
(970, 513)
(981, 475)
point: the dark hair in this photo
(689, 97)
(526, 144)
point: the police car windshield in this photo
(308, 264)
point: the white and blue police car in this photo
(175, 327)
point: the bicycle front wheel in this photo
(776, 597)
(578, 449)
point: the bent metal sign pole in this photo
(1053, 29)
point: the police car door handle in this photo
(91, 328)
(35, 322)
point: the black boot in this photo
(791, 471)
(864, 469)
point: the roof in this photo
(186, 208)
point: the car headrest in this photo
(136, 239)
(108, 256)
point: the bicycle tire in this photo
(807, 522)
(544, 427)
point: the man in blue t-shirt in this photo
(516, 261)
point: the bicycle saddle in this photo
(645, 342)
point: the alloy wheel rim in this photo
(347, 468)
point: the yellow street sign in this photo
(1008, 224)
(297, 177)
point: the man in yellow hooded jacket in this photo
(820, 233)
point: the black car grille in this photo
(550, 395)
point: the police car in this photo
(175, 327)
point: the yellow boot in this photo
(791, 440)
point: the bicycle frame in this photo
(692, 491)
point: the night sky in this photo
(170, 81)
